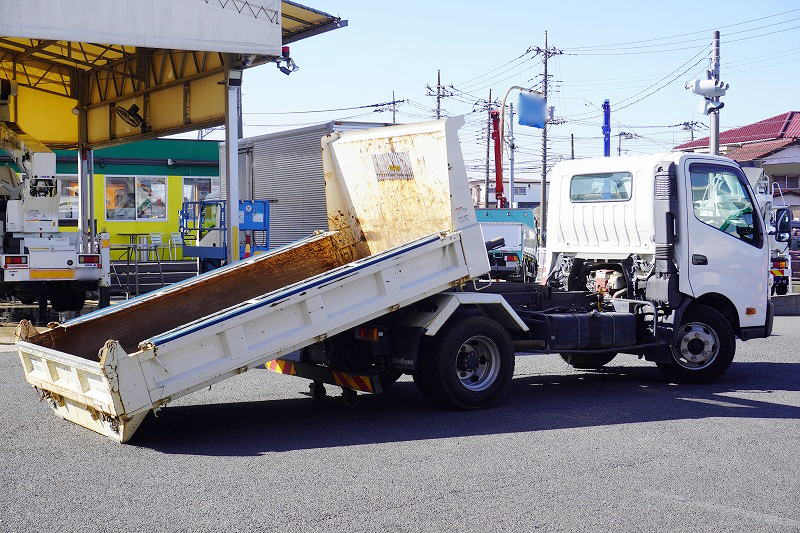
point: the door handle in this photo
(699, 259)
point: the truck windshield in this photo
(721, 200)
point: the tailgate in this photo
(84, 391)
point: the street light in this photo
(502, 140)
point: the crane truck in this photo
(659, 256)
(37, 260)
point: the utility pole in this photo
(546, 53)
(511, 147)
(440, 93)
(572, 145)
(713, 119)
(690, 127)
(606, 128)
(624, 135)
(488, 147)
(394, 109)
(711, 89)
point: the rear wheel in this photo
(27, 299)
(468, 365)
(389, 376)
(704, 346)
(68, 300)
(588, 361)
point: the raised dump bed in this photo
(402, 228)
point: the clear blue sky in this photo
(400, 45)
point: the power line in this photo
(466, 82)
(686, 34)
(703, 39)
(381, 104)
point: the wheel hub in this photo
(697, 346)
(478, 363)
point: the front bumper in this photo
(760, 332)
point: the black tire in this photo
(104, 297)
(468, 364)
(782, 290)
(588, 361)
(317, 390)
(389, 376)
(27, 299)
(693, 363)
(68, 300)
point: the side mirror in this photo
(782, 236)
(783, 219)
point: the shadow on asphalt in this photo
(617, 395)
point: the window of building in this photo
(606, 187)
(134, 198)
(67, 198)
(197, 189)
(721, 200)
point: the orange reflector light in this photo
(751, 311)
(369, 333)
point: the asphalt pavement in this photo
(618, 450)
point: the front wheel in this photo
(703, 348)
(468, 365)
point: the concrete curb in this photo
(788, 305)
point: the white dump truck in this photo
(394, 287)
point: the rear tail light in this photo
(779, 264)
(89, 260)
(369, 333)
(511, 258)
(16, 261)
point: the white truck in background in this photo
(395, 287)
(37, 261)
(778, 218)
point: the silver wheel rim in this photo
(697, 346)
(478, 363)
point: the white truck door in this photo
(726, 238)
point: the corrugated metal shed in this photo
(783, 126)
(286, 169)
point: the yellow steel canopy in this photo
(175, 91)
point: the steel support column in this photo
(232, 171)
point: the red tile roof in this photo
(783, 126)
(751, 151)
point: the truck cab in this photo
(682, 230)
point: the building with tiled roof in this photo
(773, 144)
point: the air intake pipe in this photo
(662, 285)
